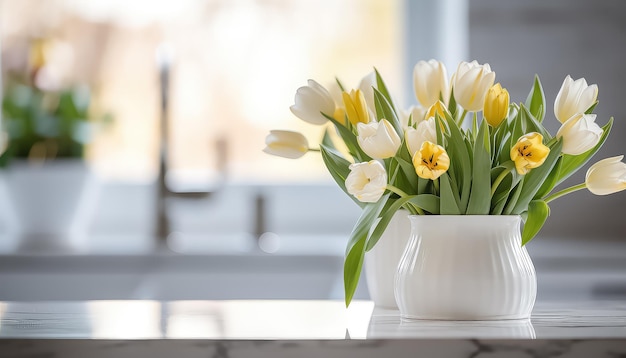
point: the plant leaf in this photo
(350, 140)
(530, 124)
(339, 168)
(538, 212)
(355, 249)
(480, 198)
(462, 162)
(385, 217)
(385, 110)
(382, 88)
(551, 180)
(535, 102)
(427, 202)
(448, 198)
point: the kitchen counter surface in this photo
(300, 328)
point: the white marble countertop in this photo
(303, 327)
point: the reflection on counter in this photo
(293, 320)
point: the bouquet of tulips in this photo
(464, 150)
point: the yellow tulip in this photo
(356, 108)
(496, 105)
(340, 116)
(529, 152)
(431, 161)
(438, 108)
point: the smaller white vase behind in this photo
(466, 267)
(381, 262)
(51, 203)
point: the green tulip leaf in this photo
(449, 201)
(350, 140)
(535, 102)
(536, 216)
(338, 167)
(355, 249)
(384, 109)
(382, 88)
(480, 198)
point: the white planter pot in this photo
(466, 267)
(381, 262)
(51, 203)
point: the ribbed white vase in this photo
(465, 267)
(381, 262)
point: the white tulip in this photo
(580, 133)
(367, 181)
(471, 83)
(311, 101)
(607, 176)
(416, 112)
(430, 82)
(415, 137)
(574, 97)
(379, 140)
(286, 144)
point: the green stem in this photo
(436, 185)
(563, 192)
(410, 207)
(314, 150)
(462, 118)
(397, 190)
(508, 166)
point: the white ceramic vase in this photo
(465, 267)
(381, 262)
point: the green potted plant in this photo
(47, 177)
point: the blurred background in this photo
(167, 105)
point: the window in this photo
(235, 66)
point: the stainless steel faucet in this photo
(163, 226)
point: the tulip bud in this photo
(430, 82)
(529, 152)
(607, 176)
(356, 107)
(286, 144)
(424, 132)
(367, 181)
(431, 161)
(471, 83)
(580, 133)
(379, 140)
(416, 113)
(437, 108)
(311, 101)
(574, 97)
(496, 105)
